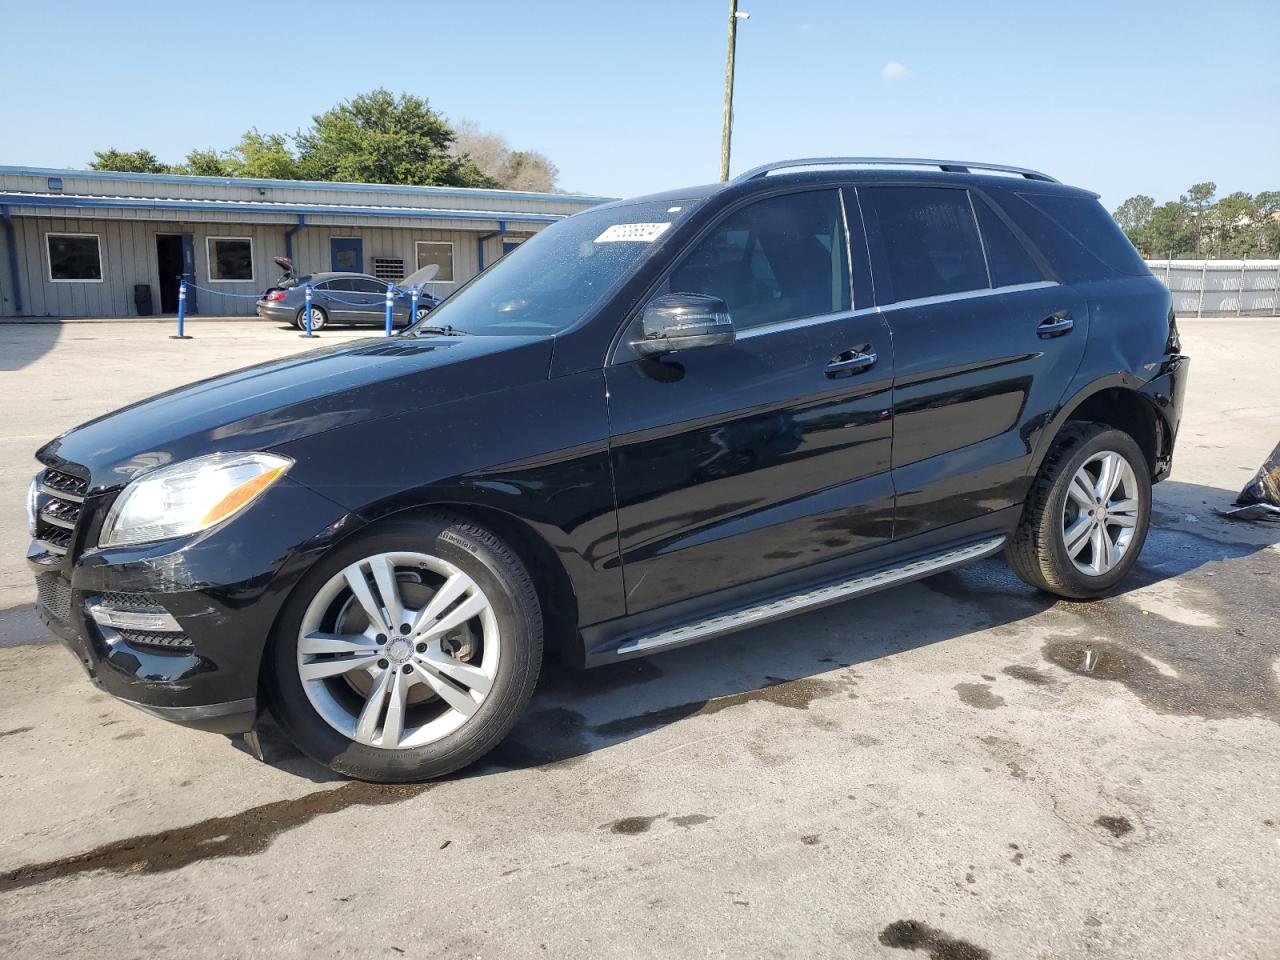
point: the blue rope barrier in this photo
(222, 293)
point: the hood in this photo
(284, 400)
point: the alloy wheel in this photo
(398, 650)
(1101, 513)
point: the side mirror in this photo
(682, 321)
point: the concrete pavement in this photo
(927, 769)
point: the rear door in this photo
(737, 462)
(985, 342)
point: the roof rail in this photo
(949, 166)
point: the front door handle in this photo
(1055, 325)
(852, 361)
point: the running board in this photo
(820, 596)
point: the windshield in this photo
(557, 277)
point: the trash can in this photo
(142, 299)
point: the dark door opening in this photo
(169, 262)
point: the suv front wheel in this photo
(1087, 514)
(407, 653)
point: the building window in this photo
(230, 259)
(441, 254)
(74, 257)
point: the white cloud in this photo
(893, 70)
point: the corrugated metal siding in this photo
(129, 257)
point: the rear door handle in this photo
(1055, 325)
(852, 361)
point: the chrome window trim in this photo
(967, 295)
(801, 322)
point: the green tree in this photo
(266, 156)
(205, 163)
(127, 161)
(1197, 201)
(1268, 226)
(1231, 222)
(1134, 216)
(1169, 232)
(379, 138)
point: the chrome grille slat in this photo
(60, 494)
(63, 497)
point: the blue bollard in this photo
(390, 300)
(307, 291)
(413, 306)
(182, 310)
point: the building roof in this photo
(37, 191)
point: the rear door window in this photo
(1009, 261)
(1087, 220)
(929, 239)
(778, 259)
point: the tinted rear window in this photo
(930, 240)
(1008, 259)
(1088, 222)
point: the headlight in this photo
(32, 503)
(189, 496)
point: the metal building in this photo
(79, 243)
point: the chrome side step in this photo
(819, 596)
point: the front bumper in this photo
(221, 590)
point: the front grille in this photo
(61, 501)
(54, 595)
(169, 642)
(132, 601)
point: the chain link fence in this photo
(1221, 288)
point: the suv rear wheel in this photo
(1087, 515)
(408, 653)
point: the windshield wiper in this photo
(445, 331)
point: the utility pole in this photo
(727, 133)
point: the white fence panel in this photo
(1221, 288)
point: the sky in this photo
(626, 98)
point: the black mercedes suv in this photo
(657, 421)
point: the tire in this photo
(440, 725)
(318, 319)
(1057, 546)
(422, 314)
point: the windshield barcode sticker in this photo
(633, 233)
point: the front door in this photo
(346, 254)
(169, 268)
(984, 345)
(736, 462)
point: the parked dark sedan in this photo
(344, 298)
(655, 422)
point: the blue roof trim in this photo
(304, 184)
(237, 206)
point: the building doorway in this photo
(346, 254)
(175, 256)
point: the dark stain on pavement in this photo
(569, 684)
(915, 935)
(1116, 826)
(979, 695)
(691, 820)
(1027, 675)
(632, 825)
(796, 694)
(546, 738)
(239, 835)
(15, 731)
